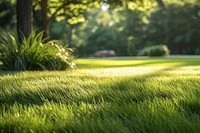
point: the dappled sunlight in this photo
(137, 71)
(137, 66)
(100, 66)
(187, 70)
(136, 62)
(103, 99)
(122, 71)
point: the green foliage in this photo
(197, 51)
(34, 53)
(160, 26)
(144, 52)
(141, 19)
(7, 13)
(157, 50)
(131, 48)
(176, 26)
(111, 30)
(70, 10)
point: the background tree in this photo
(161, 3)
(58, 10)
(71, 10)
(177, 26)
(128, 24)
(117, 29)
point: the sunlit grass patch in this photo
(126, 99)
(136, 62)
(122, 71)
(189, 70)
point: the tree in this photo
(177, 26)
(161, 3)
(45, 21)
(71, 10)
(24, 18)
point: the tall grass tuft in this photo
(34, 53)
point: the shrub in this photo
(197, 51)
(34, 53)
(143, 52)
(157, 50)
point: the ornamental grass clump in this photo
(34, 53)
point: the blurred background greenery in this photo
(127, 29)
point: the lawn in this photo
(152, 95)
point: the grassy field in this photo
(136, 62)
(155, 95)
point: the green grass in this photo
(137, 62)
(111, 96)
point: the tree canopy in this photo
(72, 10)
(126, 24)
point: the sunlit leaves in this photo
(142, 6)
(70, 10)
(75, 20)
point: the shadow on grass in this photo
(118, 91)
(5, 73)
(130, 89)
(128, 104)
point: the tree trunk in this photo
(45, 19)
(24, 18)
(70, 35)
